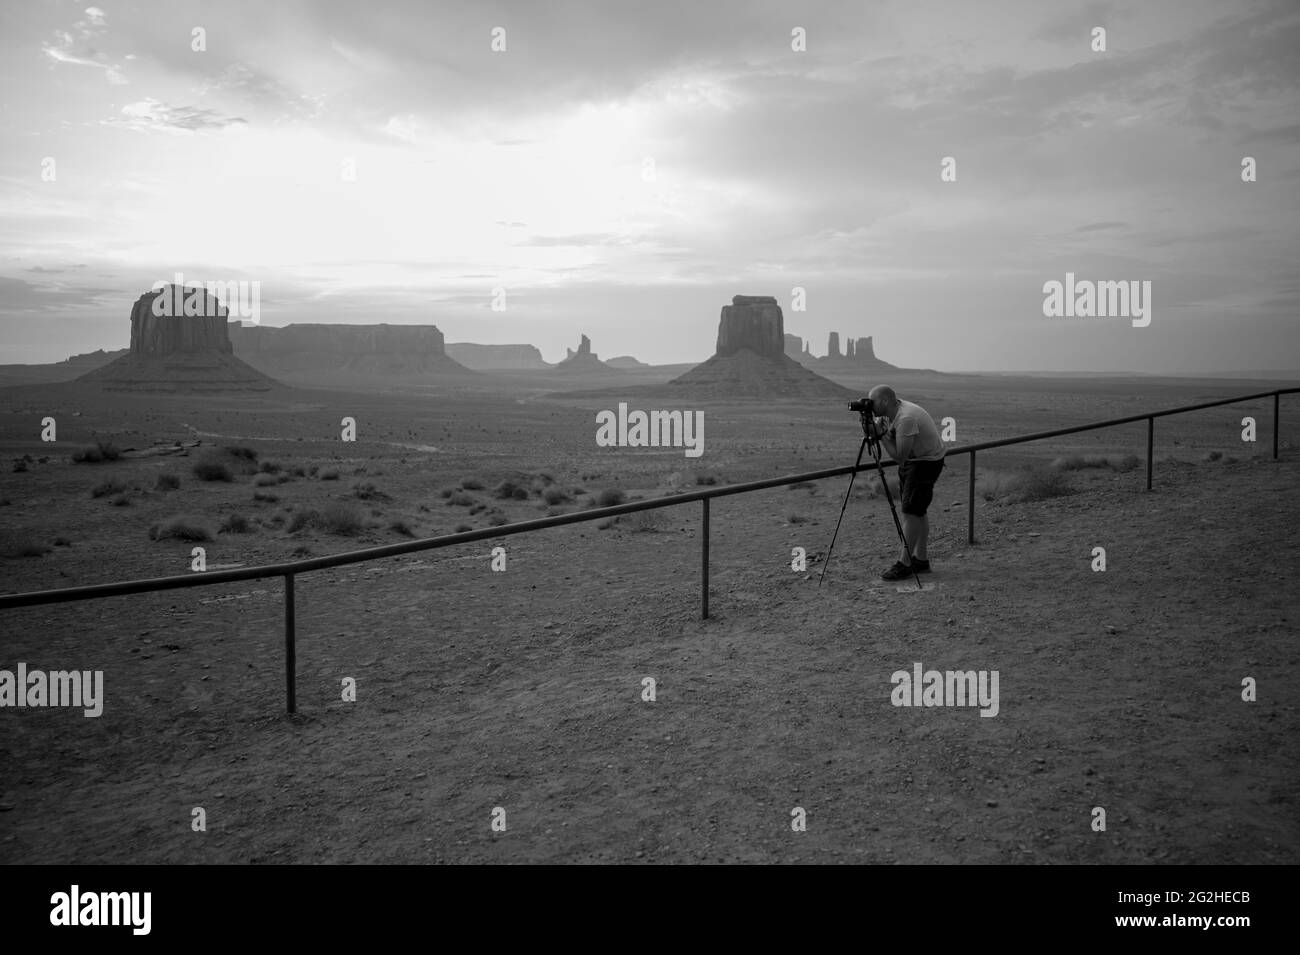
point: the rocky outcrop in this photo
(752, 322)
(751, 360)
(496, 357)
(191, 321)
(179, 353)
(584, 350)
(625, 361)
(859, 354)
(583, 360)
(315, 352)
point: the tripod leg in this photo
(852, 477)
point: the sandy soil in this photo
(522, 689)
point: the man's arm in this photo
(901, 449)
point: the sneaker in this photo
(922, 566)
(900, 571)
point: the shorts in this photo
(917, 479)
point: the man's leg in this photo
(922, 539)
(913, 530)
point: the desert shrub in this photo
(15, 545)
(340, 517)
(1128, 462)
(1214, 456)
(462, 528)
(797, 519)
(555, 511)
(646, 522)
(20, 465)
(705, 479)
(302, 550)
(212, 469)
(610, 497)
(606, 524)
(555, 495)
(1039, 483)
(330, 475)
(167, 482)
(478, 508)
(235, 524)
(472, 484)
(496, 519)
(266, 497)
(299, 472)
(265, 480)
(301, 519)
(1078, 462)
(104, 488)
(401, 527)
(1230, 460)
(181, 528)
(368, 491)
(446, 492)
(509, 489)
(122, 500)
(241, 452)
(314, 470)
(62, 541)
(270, 467)
(97, 453)
(460, 499)
(873, 487)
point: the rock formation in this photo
(371, 356)
(154, 334)
(833, 346)
(584, 348)
(848, 348)
(625, 361)
(496, 357)
(865, 351)
(583, 360)
(754, 322)
(179, 353)
(751, 359)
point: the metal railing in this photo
(291, 569)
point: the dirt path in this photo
(523, 690)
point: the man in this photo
(909, 434)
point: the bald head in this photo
(883, 400)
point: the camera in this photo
(862, 406)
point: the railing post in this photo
(1275, 424)
(1151, 442)
(704, 561)
(970, 503)
(290, 655)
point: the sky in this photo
(623, 169)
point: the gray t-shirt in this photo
(914, 420)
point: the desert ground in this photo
(522, 689)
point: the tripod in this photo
(869, 440)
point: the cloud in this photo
(151, 114)
(76, 47)
(264, 91)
